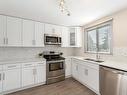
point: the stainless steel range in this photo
(55, 67)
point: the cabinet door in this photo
(1, 82)
(2, 30)
(28, 76)
(11, 79)
(39, 34)
(49, 29)
(28, 33)
(83, 74)
(14, 29)
(65, 37)
(79, 37)
(68, 67)
(93, 79)
(74, 69)
(58, 30)
(40, 74)
(72, 37)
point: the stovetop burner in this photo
(53, 56)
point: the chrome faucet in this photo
(97, 56)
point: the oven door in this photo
(55, 68)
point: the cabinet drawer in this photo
(11, 66)
(40, 63)
(32, 64)
(1, 67)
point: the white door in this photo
(2, 30)
(65, 37)
(28, 76)
(39, 34)
(28, 33)
(40, 74)
(11, 79)
(68, 67)
(1, 82)
(14, 30)
(93, 79)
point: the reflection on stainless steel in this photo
(112, 81)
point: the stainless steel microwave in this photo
(51, 39)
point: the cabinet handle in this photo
(34, 71)
(3, 76)
(12, 66)
(77, 68)
(34, 42)
(6, 40)
(86, 72)
(0, 77)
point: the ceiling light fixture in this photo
(63, 7)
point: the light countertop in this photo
(115, 62)
(21, 60)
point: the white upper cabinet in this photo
(2, 30)
(14, 30)
(65, 37)
(28, 33)
(75, 37)
(39, 34)
(53, 29)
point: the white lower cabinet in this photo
(75, 72)
(86, 73)
(11, 79)
(1, 81)
(40, 74)
(93, 79)
(27, 76)
(83, 74)
(68, 67)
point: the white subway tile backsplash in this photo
(7, 53)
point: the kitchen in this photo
(61, 48)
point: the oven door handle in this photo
(56, 61)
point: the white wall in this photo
(119, 34)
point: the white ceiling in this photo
(82, 11)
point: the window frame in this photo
(97, 27)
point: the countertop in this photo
(114, 62)
(21, 60)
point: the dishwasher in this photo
(113, 81)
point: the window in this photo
(99, 38)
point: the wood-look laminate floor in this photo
(67, 87)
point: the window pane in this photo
(91, 41)
(104, 43)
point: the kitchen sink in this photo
(94, 60)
